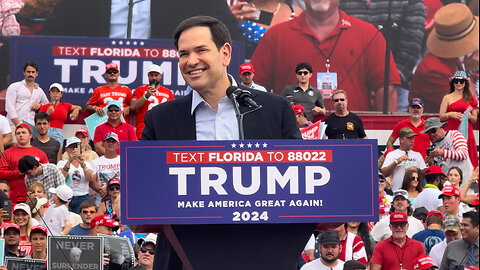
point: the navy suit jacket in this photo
(172, 120)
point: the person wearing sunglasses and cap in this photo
(102, 95)
(108, 207)
(459, 101)
(449, 147)
(145, 254)
(343, 124)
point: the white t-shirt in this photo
(414, 159)
(310, 244)
(54, 219)
(318, 265)
(428, 198)
(4, 125)
(79, 183)
(436, 253)
(381, 230)
(105, 170)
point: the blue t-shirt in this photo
(429, 238)
(78, 230)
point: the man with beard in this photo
(329, 246)
(11, 234)
(428, 198)
(343, 124)
(399, 251)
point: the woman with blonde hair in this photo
(22, 217)
(37, 190)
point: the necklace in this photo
(276, 10)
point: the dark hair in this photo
(5, 182)
(27, 163)
(304, 65)
(41, 116)
(86, 204)
(432, 177)
(459, 172)
(466, 94)
(218, 30)
(433, 219)
(473, 217)
(30, 64)
(364, 233)
(409, 209)
(407, 179)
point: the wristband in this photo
(145, 96)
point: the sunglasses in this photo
(433, 130)
(462, 81)
(113, 110)
(339, 99)
(303, 72)
(414, 178)
(381, 180)
(113, 71)
(88, 211)
(144, 250)
(112, 188)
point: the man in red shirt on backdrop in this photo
(102, 95)
(9, 162)
(149, 96)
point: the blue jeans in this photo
(74, 205)
(56, 134)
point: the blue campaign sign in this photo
(78, 63)
(251, 181)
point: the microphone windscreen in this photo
(230, 90)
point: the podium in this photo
(244, 204)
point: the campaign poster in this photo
(120, 252)
(77, 252)
(13, 263)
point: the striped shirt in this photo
(353, 248)
(455, 153)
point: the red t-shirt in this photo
(25, 246)
(162, 95)
(358, 57)
(388, 254)
(421, 142)
(102, 95)
(16, 181)
(125, 132)
(59, 114)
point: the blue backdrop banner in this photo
(250, 181)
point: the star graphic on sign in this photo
(128, 43)
(249, 145)
(234, 145)
(257, 145)
(120, 42)
(265, 145)
(113, 42)
(135, 43)
(141, 43)
(241, 145)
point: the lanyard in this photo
(403, 252)
(327, 64)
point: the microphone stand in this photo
(239, 115)
(131, 3)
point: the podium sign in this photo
(250, 181)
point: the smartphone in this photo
(7, 206)
(262, 16)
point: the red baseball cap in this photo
(435, 213)
(247, 67)
(8, 225)
(111, 66)
(114, 181)
(398, 217)
(23, 125)
(449, 190)
(83, 131)
(298, 108)
(423, 262)
(433, 169)
(104, 220)
(38, 228)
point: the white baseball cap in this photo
(56, 85)
(63, 192)
(155, 68)
(72, 140)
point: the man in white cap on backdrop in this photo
(150, 95)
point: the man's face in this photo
(32, 172)
(110, 145)
(30, 74)
(320, 6)
(399, 229)
(400, 204)
(329, 252)
(436, 134)
(452, 235)
(102, 229)
(303, 76)
(415, 111)
(4, 187)
(39, 241)
(340, 102)
(451, 204)
(247, 77)
(407, 142)
(42, 126)
(301, 120)
(203, 66)
(469, 233)
(84, 139)
(145, 258)
(114, 113)
(87, 214)
(23, 136)
(12, 237)
(154, 76)
(112, 75)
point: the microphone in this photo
(243, 97)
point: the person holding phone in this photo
(78, 173)
(149, 95)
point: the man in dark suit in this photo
(203, 44)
